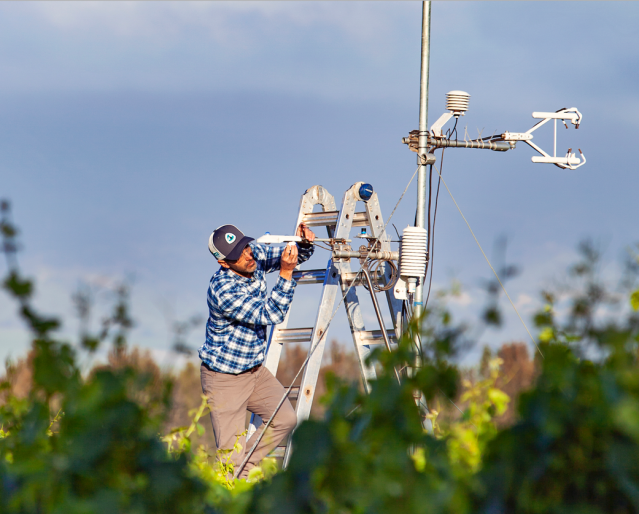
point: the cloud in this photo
(462, 299)
(246, 23)
(525, 303)
(187, 46)
(153, 307)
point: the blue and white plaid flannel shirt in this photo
(240, 309)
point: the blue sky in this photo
(130, 130)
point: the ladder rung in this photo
(309, 276)
(329, 219)
(349, 277)
(321, 219)
(294, 394)
(360, 219)
(375, 336)
(278, 452)
(292, 335)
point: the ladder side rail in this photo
(324, 313)
(318, 341)
(351, 302)
(311, 197)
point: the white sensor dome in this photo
(457, 102)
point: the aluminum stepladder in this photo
(336, 278)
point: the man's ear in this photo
(223, 263)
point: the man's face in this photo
(245, 265)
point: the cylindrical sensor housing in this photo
(457, 102)
(412, 256)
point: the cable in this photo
(431, 255)
(454, 130)
(489, 264)
(312, 350)
(430, 197)
(374, 272)
(322, 247)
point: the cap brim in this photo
(239, 248)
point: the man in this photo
(233, 378)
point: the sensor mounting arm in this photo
(569, 161)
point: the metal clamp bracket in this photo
(426, 158)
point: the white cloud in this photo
(523, 300)
(463, 299)
(153, 307)
(222, 21)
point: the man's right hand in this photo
(288, 262)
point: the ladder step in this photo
(317, 276)
(278, 453)
(349, 277)
(375, 336)
(292, 335)
(295, 393)
(329, 219)
(309, 276)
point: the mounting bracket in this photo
(569, 161)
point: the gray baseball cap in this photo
(228, 242)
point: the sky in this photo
(130, 130)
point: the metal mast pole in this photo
(420, 221)
(423, 138)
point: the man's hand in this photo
(305, 233)
(288, 261)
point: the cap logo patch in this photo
(230, 238)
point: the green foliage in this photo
(468, 437)
(90, 444)
(77, 445)
(576, 446)
(99, 454)
(216, 470)
(370, 453)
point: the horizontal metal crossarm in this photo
(493, 143)
(375, 336)
(317, 276)
(309, 276)
(496, 146)
(329, 219)
(292, 335)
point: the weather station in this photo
(393, 269)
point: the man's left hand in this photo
(305, 233)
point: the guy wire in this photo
(489, 264)
(312, 350)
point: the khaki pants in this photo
(230, 396)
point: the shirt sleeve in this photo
(269, 255)
(305, 250)
(272, 255)
(234, 303)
